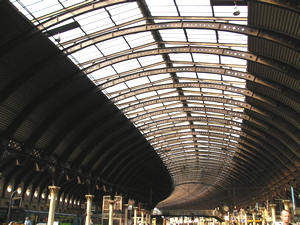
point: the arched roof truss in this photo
(202, 98)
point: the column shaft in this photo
(53, 199)
(111, 211)
(142, 216)
(254, 218)
(135, 215)
(125, 214)
(286, 204)
(273, 213)
(88, 209)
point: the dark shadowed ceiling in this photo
(146, 97)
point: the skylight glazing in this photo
(165, 64)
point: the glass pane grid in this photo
(193, 116)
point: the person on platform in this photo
(285, 217)
(27, 221)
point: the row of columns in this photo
(53, 199)
(54, 190)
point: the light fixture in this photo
(36, 194)
(60, 199)
(37, 168)
(236, 12)
(43, 195)
(9, 188)
(19, 190)
(28, 192)
(78, 180)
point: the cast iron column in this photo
(53, 199)
(88, 209)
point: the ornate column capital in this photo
(53, 189)
(89, 197)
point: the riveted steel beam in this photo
(161, 122)
(165, 123)
(173, 50)
(207, 155)
(228, 88)
(196, 69)
(184, 127)
(240, 29)
(199, 165)
(207, 177)
(210, 174)
(166, 142)
(240, 165)
(155, 125)
(212, 147)
(228, 113)
(175, 136)
(251, 151)
(247, 136)
(156, 43)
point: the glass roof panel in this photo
(201, 35)
(226, 11)
(172, 35)
(125, 12)
(168, 96)
(40, 8)
(158, 7)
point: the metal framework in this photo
(203, 98)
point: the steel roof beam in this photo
(170, 143)
(205, 50)
(193, 69)
(240, 29)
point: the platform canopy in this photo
(151, 97)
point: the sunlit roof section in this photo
(176, 68)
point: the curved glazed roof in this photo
(215, 96)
